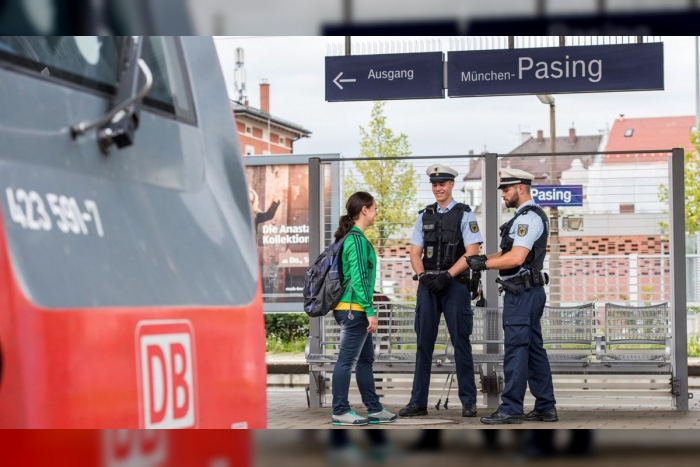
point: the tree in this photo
(393, 183)
(692, 188)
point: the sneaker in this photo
(414, 410)
(382, 417)
(349, 419)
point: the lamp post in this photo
(554, 292)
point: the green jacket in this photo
(361, 277)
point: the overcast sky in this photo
(294, 67)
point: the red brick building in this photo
(260, 133)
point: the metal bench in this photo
(636, 334)
(567, 333)
(589, 367)
(394, 342)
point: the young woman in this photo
(356, 317)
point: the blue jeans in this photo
(356, 349)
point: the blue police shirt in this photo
(526, 229)
(468, 219)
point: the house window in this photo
(469, 197)
(248, 129)
(628, 132)
(282, 140)
(249, 150)
(626, 208)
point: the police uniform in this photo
(525, 357)
(444, 234)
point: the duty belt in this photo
(532, 278)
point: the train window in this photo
(93, 62)
(171, 88)
(88, 61)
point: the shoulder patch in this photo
(473, 227)
(522, 230)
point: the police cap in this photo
(509, 176)
(441, 173)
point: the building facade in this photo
(261, 133)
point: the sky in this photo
(294, 67)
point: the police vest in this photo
(535, 259)
(442, 236)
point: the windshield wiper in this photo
(119, 124)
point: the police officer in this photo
(444, 232)
(520, 261)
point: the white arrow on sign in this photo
(342, 80)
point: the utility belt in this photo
(529, 278)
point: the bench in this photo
(636, 334)
(594, 356)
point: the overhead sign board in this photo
(386, 76)
(558, 195)
(638, 23)
(551, 70)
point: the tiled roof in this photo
(539, 167)
(648, 134)
(239, 108)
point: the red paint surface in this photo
(78, 368)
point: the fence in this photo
(611, 247)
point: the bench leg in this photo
(317, 388)
(490, 386)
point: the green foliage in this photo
(692, 189)
(694, 346)
(393, 183)
(277, 345)
(287, 327)
(647, 294)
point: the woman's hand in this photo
(372, 324)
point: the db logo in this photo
(134, 448)
(167, 375)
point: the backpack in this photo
(324, 284)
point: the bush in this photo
(275, 345)
(694, 346)
(287, 327)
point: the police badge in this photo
(474, 227)
(429, 253)
(522, 230)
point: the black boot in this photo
(414, 410)
(546, 416)
(500, 418)
(469, 410)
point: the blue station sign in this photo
(552, 70)
(558, 195)
(383, 77)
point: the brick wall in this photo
(593, 278)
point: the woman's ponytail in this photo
(353, 207)
(344, 225)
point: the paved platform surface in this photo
(287, 408)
